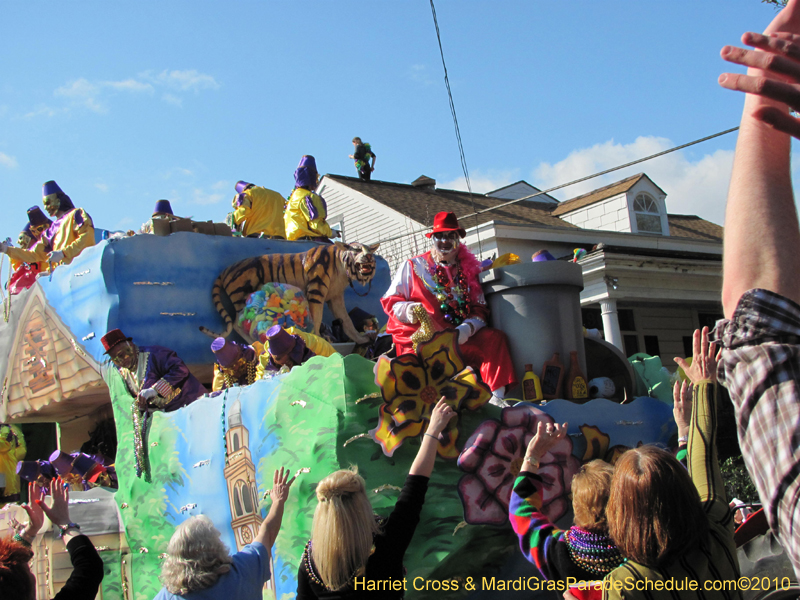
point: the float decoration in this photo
(492, 459)
(274, 304)
(412, 384)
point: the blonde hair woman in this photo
(349, 547)
(198, 565)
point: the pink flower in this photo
(492, 458)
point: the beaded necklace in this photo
(230, 375)
(593, 552)
(454, 298)
(312, 574)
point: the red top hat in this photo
(112, 338)
(446, 221)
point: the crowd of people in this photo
(647, 518)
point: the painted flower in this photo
(412, 384)
(492, 458)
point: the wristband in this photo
(67, 527)
(433, 436)
(18, 538)
(684, 439)
(532, 460)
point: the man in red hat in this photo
(445, 282)
(155, 375)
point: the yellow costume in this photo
(71, 233)
(261, 211)
(305, 216)
(12, 450)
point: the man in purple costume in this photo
(285, 349)
(155, 375)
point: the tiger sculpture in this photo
(323, 273)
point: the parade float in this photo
(217, 455)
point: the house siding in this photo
(608, 215)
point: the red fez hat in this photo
(446, 221)
(112, 338)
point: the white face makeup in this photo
(445, 245)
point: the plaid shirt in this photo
(760, 366)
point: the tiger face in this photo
(359, 261)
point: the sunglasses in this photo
(445, 235)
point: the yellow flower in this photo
(412, 384)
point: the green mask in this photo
(52, 204)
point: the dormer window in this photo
(648, 217)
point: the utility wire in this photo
(573, 182)
(455, 123)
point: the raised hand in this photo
(34, 510)
(547, 436)
(682, 407)
(442, 414)
(59, 512)
(280, 485)
(704, 361)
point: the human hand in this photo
(59, 512)
(350, 156)
(35, 514)
(547, 435)
(464, 331)
(704, 359)
(569, 595)
(144, 396)
(3, 247)
(410, 316)
(280, 485)
(441, 415)
(55, 256)
(682, 406)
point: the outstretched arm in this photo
(760, 219)
(426, 456)
(270, 527)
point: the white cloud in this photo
(43, 111)
(212, 196)
(482, 181)
(93, 95)
(693, 187)
(129, 85)
(8, 161)
(172, 99)
(183, 80)
(419, 74)
(102, 187)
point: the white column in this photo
(608, 309)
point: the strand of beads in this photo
(454, 299)
(594, 552)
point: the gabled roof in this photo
(420, 204)
(602, 193)
(692, 226)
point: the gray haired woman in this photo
(199, 567)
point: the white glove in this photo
(56, 256)
(3, 247)
(410, 316)
(148, 393)
(464, 331)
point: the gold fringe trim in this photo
(368, 397)
(386, 486)
(354, 438)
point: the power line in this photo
(455, 123)
(573, 182)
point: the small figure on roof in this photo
(362, 155)
(258, 212)
(154, 375)
(162, 213)
(236, 363)
(70, 233)
(306, 211)
(444, 281)
(284, 350)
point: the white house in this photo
(650, 277)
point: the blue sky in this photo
(126, 103)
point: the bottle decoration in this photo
(453, 298)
